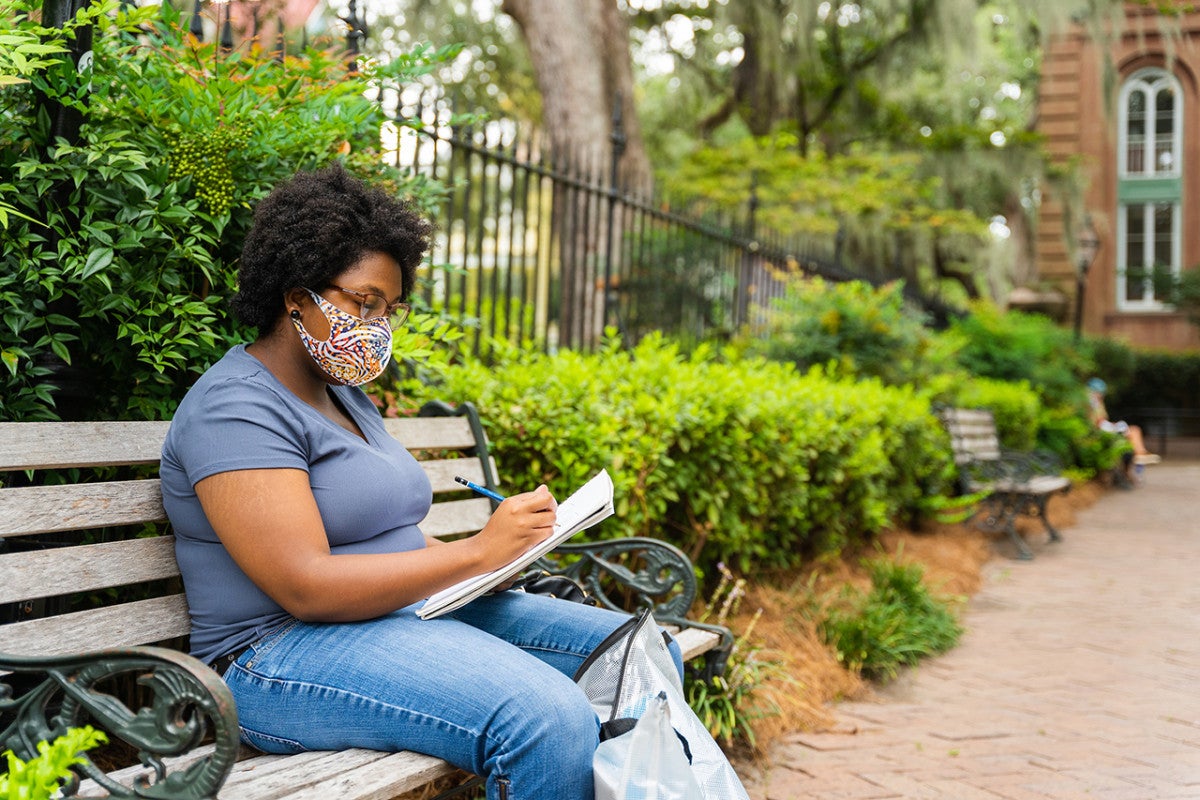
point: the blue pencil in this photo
(483, 490)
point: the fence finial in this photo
(196, 26)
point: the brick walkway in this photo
(1078, 677)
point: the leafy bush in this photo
(41, 777)
(894, 625)
(1115, 363)
(1015, 346)
(1181, 290)
(729, 704)
(867, 331)
(121, 247)
(1014, 406)
(738, 460)
(1079, 443)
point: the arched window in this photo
(1149, 188)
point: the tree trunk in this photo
(580, 55)
(1023, 243)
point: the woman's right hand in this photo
(517, 524)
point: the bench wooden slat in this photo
(431, 433)
(346, 775)
(267, 776)
(441, 473)
(139, 622)
(453, 517)
(45, 573)
(55, 445)
(695, 642)
(260, 776)
(45, 445)
(80, 506)
(49, 509)
(973, 434)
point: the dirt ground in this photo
(799, 697)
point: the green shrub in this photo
(121, 248)
(894, 625)
(1014, 346)
(729, 703)
(1014, 406)
(738, 460)
(41, 777)
(1081, 445)
(1115, 363)
(866, 331)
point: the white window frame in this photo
(1148, 301)
(1150, 81)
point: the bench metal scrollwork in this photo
(640, 572)
(186, 701)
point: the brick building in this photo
(1129, 110)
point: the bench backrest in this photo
(93, 532)
(972, 434)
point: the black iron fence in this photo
(545, 245)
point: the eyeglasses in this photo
(375, 306)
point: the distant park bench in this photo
(90, 574)
(1014, 482)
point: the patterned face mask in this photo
(356, 351)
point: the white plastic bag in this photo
(629, 674)
(646, 763)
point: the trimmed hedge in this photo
(748, 462)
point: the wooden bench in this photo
(1014, 482)
(94, 602)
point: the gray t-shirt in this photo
(371, 494)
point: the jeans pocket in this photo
(269, 639)
(270, 744)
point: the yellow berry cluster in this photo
(205, 156)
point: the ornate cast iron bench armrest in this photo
(638, 572)
(186, 702)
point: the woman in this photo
(296, 515)
(1133, 433)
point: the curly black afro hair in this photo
(315, 226)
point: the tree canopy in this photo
(901, 128)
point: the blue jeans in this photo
(487, 687)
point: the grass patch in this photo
(894, 624)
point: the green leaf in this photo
(11, 360)
(97, 260)
(60, 349)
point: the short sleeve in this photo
(237, 424)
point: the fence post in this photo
(355, 33)
(618, 149)
(225, 29)
(196, 24)
(745, 280)
(65, 121)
